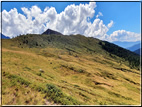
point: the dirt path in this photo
(49, 103)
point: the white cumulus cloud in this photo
(110, 24)
(74, 19)
(99, 14)
(123, 35)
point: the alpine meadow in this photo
(67, 66)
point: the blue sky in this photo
(125, 16)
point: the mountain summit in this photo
(49, 32)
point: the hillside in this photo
(80, 44)
(68, 70)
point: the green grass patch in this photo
(15, 78)
(58, 96)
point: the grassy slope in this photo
(90, 79)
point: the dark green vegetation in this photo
(58, 96)
(68, 70)
(131, 57)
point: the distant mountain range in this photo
(126, 45)
(4, 37)
(137, 51)
(134, 47)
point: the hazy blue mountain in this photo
(4, 37)
(137, 51)
(126, 44)
(134, 47)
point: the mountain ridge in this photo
(77, 43)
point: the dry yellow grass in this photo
(89, 79)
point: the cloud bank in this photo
(75, 19)
(123, 35)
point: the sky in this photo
(111, 21)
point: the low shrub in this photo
(16, 78)
(80, 71)
(55, 94)
(74, 69)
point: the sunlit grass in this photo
(73, 78)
